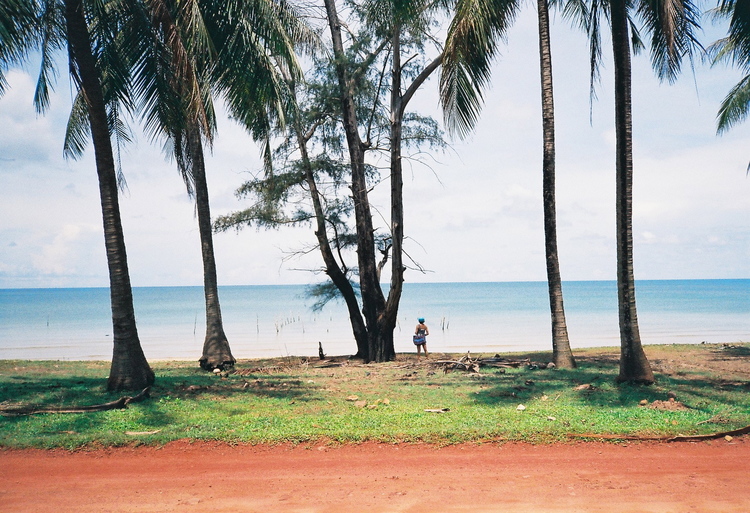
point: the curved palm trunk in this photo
(634, 366)
(129, 370)
(216, 351)
(561, 353)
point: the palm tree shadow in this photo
(731, 352)
(592, 383)
(272, 386)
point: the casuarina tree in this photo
(356, 106)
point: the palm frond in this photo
(19, 33)
(78, 130)
(672, 25)
(735, 107)
(576, 11)
(597, 10)
(475, 31)
(736, 45)
(636, 41)
(51, 40)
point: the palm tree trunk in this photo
(634, 366)
(216, 351)
(129, 369)
(561, 353)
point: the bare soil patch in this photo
(197, 477)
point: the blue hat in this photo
(421, 319)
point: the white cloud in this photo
(62, 255)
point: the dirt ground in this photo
(196, 477)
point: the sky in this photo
(473, 212)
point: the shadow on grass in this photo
(199, 385)
(43, 390)
(40, 390)
(593, 384)
(731, 352)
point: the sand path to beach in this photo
(196, 477)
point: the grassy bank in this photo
(290, 400)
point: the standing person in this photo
(420, 336)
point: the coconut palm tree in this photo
(735, 47)
(562, 355)
(471, 45)
(199, 49)
(93, 59)
(671, 25)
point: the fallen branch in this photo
(473, 364)
(679, 438)
(448, 365)
(696, 438)
(119, 404)
(504, 363)
(464, 363)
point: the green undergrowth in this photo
(293, 400)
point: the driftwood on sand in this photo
(469, 364)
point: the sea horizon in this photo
(385, 285)
(74, 323)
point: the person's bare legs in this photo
(425, 350)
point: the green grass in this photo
(286, 400)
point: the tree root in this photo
(119, 404)
(679, 438)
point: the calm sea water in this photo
(75, 324)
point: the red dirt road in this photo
(183, 477)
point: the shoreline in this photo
(403, 355)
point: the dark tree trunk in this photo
(373, 301)
(561, 353)
(634, 366)
(333, 269)
(129, 370)
(216, 351)
(385, 349)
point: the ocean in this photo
(264, 321)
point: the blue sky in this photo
(473, 213)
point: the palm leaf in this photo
(51, 39)
(672, 25)
(78, 130)
(735, 107)
(19, 31)
(470, 48)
